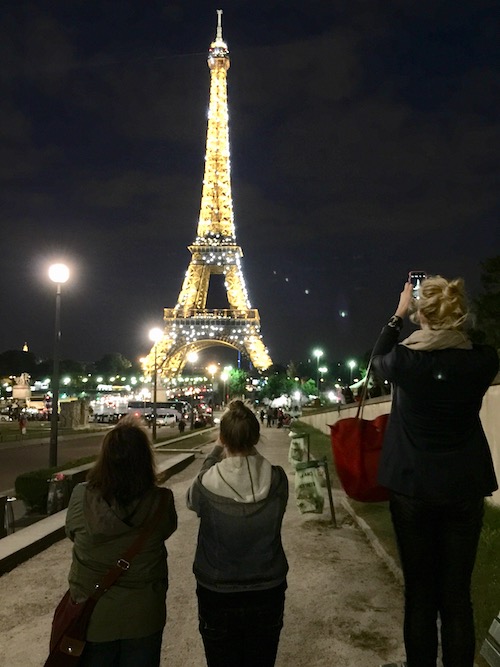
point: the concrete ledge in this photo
(30, 541)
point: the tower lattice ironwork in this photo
(190, 326)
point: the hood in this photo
(112, 519)
(245, 479)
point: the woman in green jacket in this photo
(104, 517)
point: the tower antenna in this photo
(218, 37)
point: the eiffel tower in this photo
(190, 326)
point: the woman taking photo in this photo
(437, 464)
(240, 565)
(104, 517)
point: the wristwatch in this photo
(395, 322)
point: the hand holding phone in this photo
(416, 278)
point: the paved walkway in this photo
(344, 607)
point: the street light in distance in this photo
(352, 365)
(192, 358)
(318, 354)
(59, 274)
(155, 335)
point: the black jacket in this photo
(434, 447)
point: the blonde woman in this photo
(437, 464)
(240, 565)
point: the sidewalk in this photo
(343, 608)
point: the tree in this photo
(237, 382)
(309, 388)
(487, 305)
(277, 384)
(113, 364)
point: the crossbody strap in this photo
(123, 563)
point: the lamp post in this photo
(212, 369)
(224, 377)
(322, 370)
(155, 335)
(59, 274)
(352, 365)
(192, 357)
(318, 354)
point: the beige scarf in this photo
(437, 339)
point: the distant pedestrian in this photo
(103, 519)
(240, 565)
(270, 416)
(23, 423)
(181, 425)
(437, 464)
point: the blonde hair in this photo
(239, 427)
(443, 303)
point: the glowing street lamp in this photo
(192, 357)
(155, 335)
(352, 365)
(224, 376)
(322, 370)
(59, 274)
(318, 354)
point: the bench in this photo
(490, 650)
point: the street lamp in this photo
(192, 357)
(224, 376)
(59, 274)
(155, 335)
(322, 369)
(212, 369)
(352, 365)
(318, 354)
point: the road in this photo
(23, 456)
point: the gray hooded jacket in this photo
(239, 543)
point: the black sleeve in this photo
(383, 361)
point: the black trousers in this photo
(241, 629)
(437, 546)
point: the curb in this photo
(389, 561)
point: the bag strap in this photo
(364, 391)
(123, 563)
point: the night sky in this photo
(364, 143)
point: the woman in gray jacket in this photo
(104, 517)
(240, 565)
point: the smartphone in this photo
(415, 278)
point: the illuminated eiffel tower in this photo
(190, 326)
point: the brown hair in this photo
(239, 428)
(125, 468)
(443, 303)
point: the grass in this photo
(486, 577)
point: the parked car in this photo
(164, 419)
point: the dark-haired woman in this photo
(240, 565)
(104, 517)
(437, 465)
